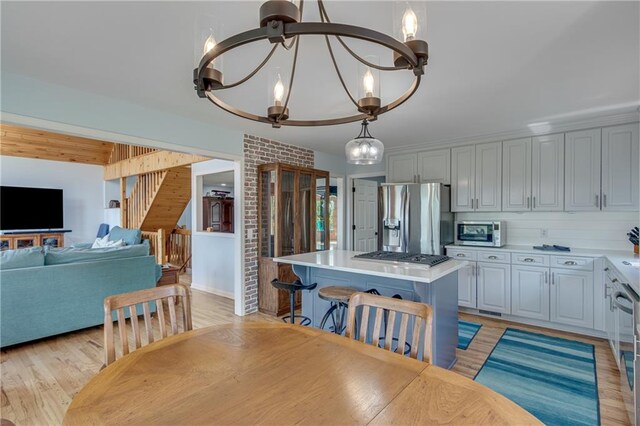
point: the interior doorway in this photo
(364, 212)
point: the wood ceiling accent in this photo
(18, 141)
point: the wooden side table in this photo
(170, 275)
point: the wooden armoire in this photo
(293, 218)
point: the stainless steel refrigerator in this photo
(415, 218)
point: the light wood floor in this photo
(40, 379)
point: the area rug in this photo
(552, 378)
(466, 332)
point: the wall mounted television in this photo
(30, 209)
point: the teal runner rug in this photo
(552, 378)
(466, 332)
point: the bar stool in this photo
(339, 298)
(292, 288)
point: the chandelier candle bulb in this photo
(369, 86)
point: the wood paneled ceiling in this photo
(18, 141)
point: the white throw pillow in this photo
(104, 242)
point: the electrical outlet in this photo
(544, 232)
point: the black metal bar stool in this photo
(339, 298)
(292, 288)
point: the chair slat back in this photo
(158, 295)
(421, 313)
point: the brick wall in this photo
(261, 151)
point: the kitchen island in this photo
(436, 286)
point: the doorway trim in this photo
(349, 199)
(70, 129)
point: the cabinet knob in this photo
(606, 269)
(460, 255)
(528, 259)
(493, 257)
(570, 262)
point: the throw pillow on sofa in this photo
(104, 242)
(129, 236)
(22, 258)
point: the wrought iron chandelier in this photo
(281, 24)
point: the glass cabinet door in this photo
(267, 213)
(321, 213)
(305, 210)
(287, 213)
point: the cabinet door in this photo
(494, 287)
(620, 167)
(467, 286)
(547, 173)
(530, 292)
(572, 297)
(489, 177)
(463, 177)
(582, 170)
(402, 168)
(516, 175)
(435, 166)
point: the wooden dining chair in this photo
(120, 302)
(422, 322)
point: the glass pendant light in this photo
(364, 149)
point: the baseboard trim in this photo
(222, 293)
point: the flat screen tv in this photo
(30, 208)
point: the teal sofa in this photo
(49, 292)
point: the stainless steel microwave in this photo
(481, 233)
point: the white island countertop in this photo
(342, 260)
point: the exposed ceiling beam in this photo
(33, 143)
(151, 162)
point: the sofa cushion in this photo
(104, 242)
(74, 255)
(129, 236)
(22, 258)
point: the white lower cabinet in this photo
(467, 286)
(494, 287)
(572, 297)
(530, 292)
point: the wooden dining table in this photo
(276, 373)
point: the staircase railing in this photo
(137, 204)
(124, 152)
(173, 248)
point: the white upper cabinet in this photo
(425, 166)
(516, 175)
(402, 168)
(489, 177)
(547, 173)
(620, 167)
(435, 166)
(582, 170)
(476, 178)
(463, 176)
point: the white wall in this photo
(82, 185)
(216, 260)
(596, 230)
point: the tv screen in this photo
(30, 208)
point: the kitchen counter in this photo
(630, 272)
(342, 260)
(436, 286)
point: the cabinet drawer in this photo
(494, 257)
(462, 254)
(530, 259)
(582, 263)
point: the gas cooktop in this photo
(395, 257)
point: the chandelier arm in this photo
(325, 16)
(293, 74)
(301, 8)
(335, 65)
(254, 72)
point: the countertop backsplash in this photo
(589, 230)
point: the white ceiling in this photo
(219, 179)
(494, 66)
